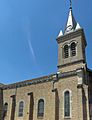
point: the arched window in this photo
(21, 107)
(67, 104)
(5, 108)
(73, 49)
(66, 51)
(40, 108)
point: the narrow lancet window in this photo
(21, 107)
(66, 51)
(5, 108)
(67, 104)
(73, 49)
(41, 108)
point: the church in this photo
(65, 95)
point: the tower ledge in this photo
(76, 33)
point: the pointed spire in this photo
(71, 22)
(60, 33)
(78, 26)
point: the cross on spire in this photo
(70, 3)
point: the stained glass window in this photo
(41, 107)
(21, 107)
(67, 104)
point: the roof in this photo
(71, 24)
(49, 78)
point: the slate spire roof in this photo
(71, 24)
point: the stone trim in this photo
(29, 82)
(13, 100)
(40, 80)
(79, 86)
(54, 90)
(74, 34)
(31, 105)
(70, 94)
(64, 65)
(67, 74)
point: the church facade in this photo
(65, 95)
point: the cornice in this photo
(28, 82)
(71, 35)
(54, 77)
(71, 63)
(68, 74)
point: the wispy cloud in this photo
(27, 32)
(31, 47)
(27, 28)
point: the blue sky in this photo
(28, 32)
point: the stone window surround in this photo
(70, 103)
(39, 117)
(23, 107)
(69, 49)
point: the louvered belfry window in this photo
(67, 104)
(66, 51)
(73, 49)
(21, 107)
(41, 108)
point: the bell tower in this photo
(71, 45)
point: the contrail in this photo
(28, 35)
(27, 30)
(31, 48)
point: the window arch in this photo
(21, 107)
(5, 108)
(66, 51)
(73, 49)
(67, 104)
(41, 108)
